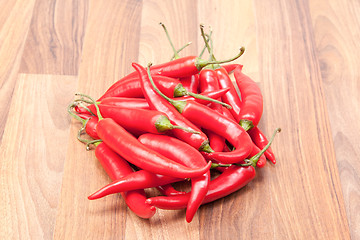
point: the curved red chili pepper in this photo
(209, 119)
(182, 152)
(116, 167)
(90, 127)
(231, 97)
(252, 100)
(261, 141)
(198, 141)
(136, 180)
(131, 87)
(137, 121)
(169, 190)
(231, 67)
(231, 180)
(209, 82)
(127, 146)
(191, 83)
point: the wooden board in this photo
(302, 54)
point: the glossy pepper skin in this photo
(231, 67)
(182, 152)
(209, 119)
(169, 190)
(116, 167)
(136, 121)
(137, 180)
(127, 146)
(231, 180)
(251, 100)
(261, 141)
(191, 83)
(177, 68)
(231, 97)
(156, 102)
(90, 127)
(126, 102)
(132, 87)
(209, 82)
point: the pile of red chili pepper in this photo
(178, 121)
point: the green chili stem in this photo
(204, 48)
(74, 104)
(215, 165)
(206, 41)
(254, 159)
(100, 117)
(94, 142)
(155, 87)
(199, 96)
(170, 41)
(179, 50)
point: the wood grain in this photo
(107, 55)
(14, 24)
(303, 55)
(295, 101)
(179, 18)
(54, 42)
(237, 28)
(335, 23)
(33, 153)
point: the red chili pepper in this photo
(90, 127)
(137, 121)
(191, 83)
(209, 82)
(198, 141)
(169, 190)
(131, 87)
(261, 141)
(231, 180)
(116, 167)
(127, 146)
(136, 180)
(178, 68)
(223, 126)
(252, 100)
(231, 97)
(231, 67)
(214, 121)
(182, 152)
(126, 102)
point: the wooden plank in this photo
(54, 43)
(179, 18)
(290, 74)
(15, 19)
(235, 28)
(32, 154)
(110, 45)
(336, 23)
(234, 25)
